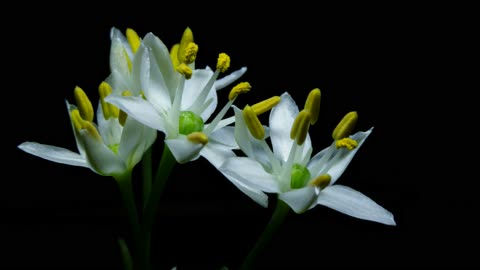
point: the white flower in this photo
(113, 147)
(179, 99)
(289, 170)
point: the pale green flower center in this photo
(190, 122)
(114, 147)
(299, 176)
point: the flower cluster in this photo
(153, 89)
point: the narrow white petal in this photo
(343, 156)
(230, 78)
(216, 153)
(301, 199)
(153, 84)
(193, 88)
(251, 173)
(101, 158)
(116, 34)
(254, 194)
(224, 136)
(139, 109)
(281, 120)
(355, 204)
(110, 130)
(183, 150)
(54, 153)
(136, 139)
(163, 60)
(118, 58)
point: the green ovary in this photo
(114, 148)
(189, 122)
(299, 176)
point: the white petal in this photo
(224, 136)
(163, 60)
(54, 153)
(301, 199)
(281, 120)
(117, 34)
(110, 130)
(216, 153)
(193, 88)
(136, 139)
(344, 156)
(118, 58)
(354, 203)
(254, 194)
(101, 158)
(153, 84)
(140, 109)
(251, 173)
(183, 150)
(230, 78)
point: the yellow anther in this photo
(312, 105)
(76, 119)
(300, 127)
(173, 55)
(265, 105)
(122, 116)
(348, 143)
(83, 103)
(187, 38)
(80, 124)
(109, 110)
(185, 70)
(223, 62)
(253, 123)
(240, 88)
(198, 137)
(321, 181)
(190, 53)
(346, 126)
(133, 39)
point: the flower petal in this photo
(299, 200)
(193, 88)
(183, 150)
(101, 158)
(281, 120)
(230, 78)
(343, 157)
(110, 130)
(54, 153)
(251, 173)
(140, 109)
(136, 139)
(224, 136)
(153, 83)
(164, 62)
(354, 203)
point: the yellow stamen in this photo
(109, 110)
(321, 181)
(253, 123)
(265, 105)
(83, 103)
(198, 137)
(346, 126)
(173, 55)
(122, 116)
(300, 127)
(80, 124)
(240, 88)
(348, 143)
(190, 53)
(223, 62)
(133, 39)
(312, 105)
(187, 38)
(185, 70)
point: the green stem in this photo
(147, 175)
(165, 167)
(279, 215)
(126, 190)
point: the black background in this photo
(386, 62)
